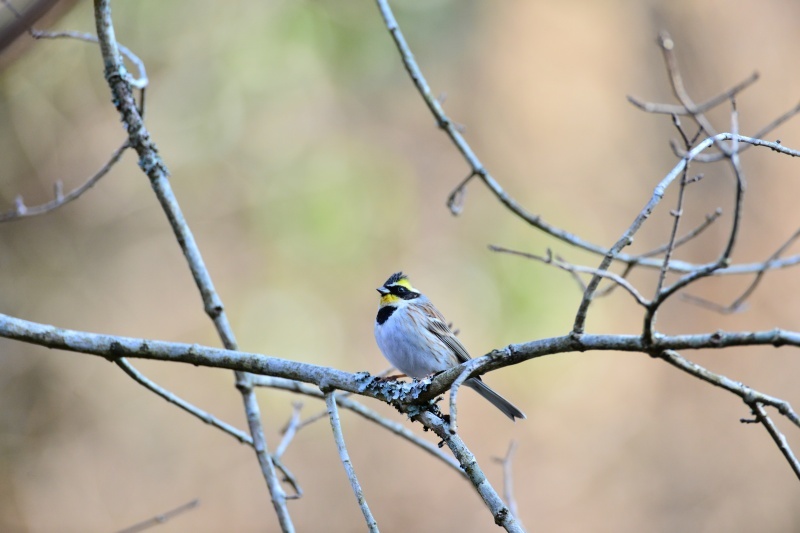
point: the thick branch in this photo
(396, 393)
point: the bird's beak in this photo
(383, 290)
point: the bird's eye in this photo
(400, 290)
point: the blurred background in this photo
(310, 170)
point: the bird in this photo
(415, 338)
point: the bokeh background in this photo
(309, 170)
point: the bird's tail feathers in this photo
(498, 401)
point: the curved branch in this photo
(150, 162)
(477, 169)
(575, 269)
(208, 418)
(22, 211)
(503, 516)
(672, 109)
(140, 83)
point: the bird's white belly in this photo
(413, 355)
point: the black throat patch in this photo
(384, 313)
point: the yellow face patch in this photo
(389, 299)
(393, 297)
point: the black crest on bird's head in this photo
(394, 278)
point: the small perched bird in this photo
(414, 337)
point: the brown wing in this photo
(438, 326)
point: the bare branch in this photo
(22, 211)
(658, 193)
(748, 395)
(752, 398)
(501, 513)
(737, 304)
(670, 109)
(140, 83)
(724, 258)
(711, 158)
(360, 409)
(455, 202)
(393, 392)
(322, 414)
(777, 436)
(336, 426)
(667, 45)
(160, 519)
(449, 127)
(460, 380)
(549, 260)
(288, 477)
(290, 430)
(677, 213)
(208, 418)
(611, 286)
(508, 478)
(710, 218)
(155, 169)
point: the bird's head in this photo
(397, 290)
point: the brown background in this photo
(309, 171)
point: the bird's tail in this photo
(498, 401)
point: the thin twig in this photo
(667, 46)
(737, 304)
(289, 477)
(550, 260)
(22, 211)
(208, 418)
(725, 257)
(671, 109)
(677, 214)
(336, 426)
(710, 218)
(455, 202)
(611, 286)
(752, 398)
(462, 378)
(160, 519)
(508, 478)
(748, 395)
(290, 430)
(140, 83)
(711, 158)
(777, 436)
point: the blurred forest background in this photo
(309, 169)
